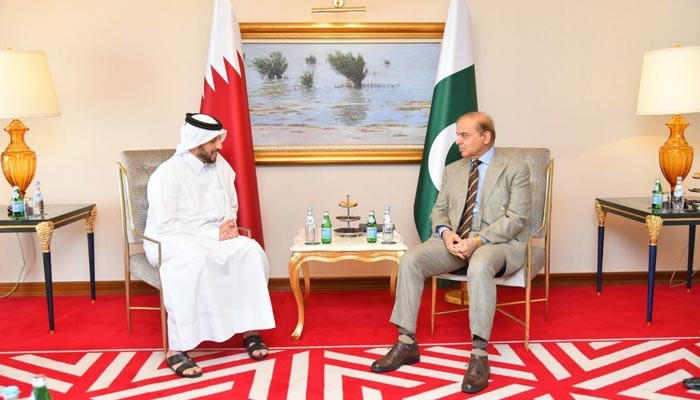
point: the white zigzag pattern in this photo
(579, 370)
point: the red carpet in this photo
(357, 318)
(591, 347)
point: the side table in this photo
(55, 216)
(340, 248)
(639, 209)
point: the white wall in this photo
(556, 73)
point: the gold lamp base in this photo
(676, 155)
(18, 160)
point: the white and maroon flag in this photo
(226, 98)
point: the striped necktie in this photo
(472, 182)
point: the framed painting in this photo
(340, 93)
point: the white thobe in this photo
(212, 289)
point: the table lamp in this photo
(670, 84)
(26, 90)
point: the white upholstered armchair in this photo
(538, 247)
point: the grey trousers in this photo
(432, 258)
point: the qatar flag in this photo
(226, 98)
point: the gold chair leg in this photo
(546, 295)
(127, 290)
(163, 324)
(307, 280)
(528, 305)
(432, 308)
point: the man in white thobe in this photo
(214, 281)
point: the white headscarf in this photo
(198, 129)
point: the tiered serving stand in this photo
(348, 231)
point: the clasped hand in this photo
(228, 230)
(459, 247)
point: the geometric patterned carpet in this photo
(581, 370)
(590, 347)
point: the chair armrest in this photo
(245, 231)
(150, 239)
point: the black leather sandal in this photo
(253, 343)
(185, 362)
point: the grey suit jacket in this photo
(504, 205)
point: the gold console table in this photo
(341, 248)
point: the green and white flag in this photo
(453, 95)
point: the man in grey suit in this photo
(488, 234)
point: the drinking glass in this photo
(677, 203)
(388, 233)
(310, 233)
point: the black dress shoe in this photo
(477, 376)
(400, 354)
(692, 383)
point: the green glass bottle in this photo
(371, 228)
(17, 203)
(326, 229)
(656, 196)
(40, 391)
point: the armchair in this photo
(133, 172)
(538, 246)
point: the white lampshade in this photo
(26, 88)
(670, 82)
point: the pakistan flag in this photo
(453, 95)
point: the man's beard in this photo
(207, 158)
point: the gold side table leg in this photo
(90, 224)
(654, 224)
(395, 273)
(45, 232)
(601, 239)
(307, 280)
(294, 265)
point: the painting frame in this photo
(341, 154)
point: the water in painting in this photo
(313, 103)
